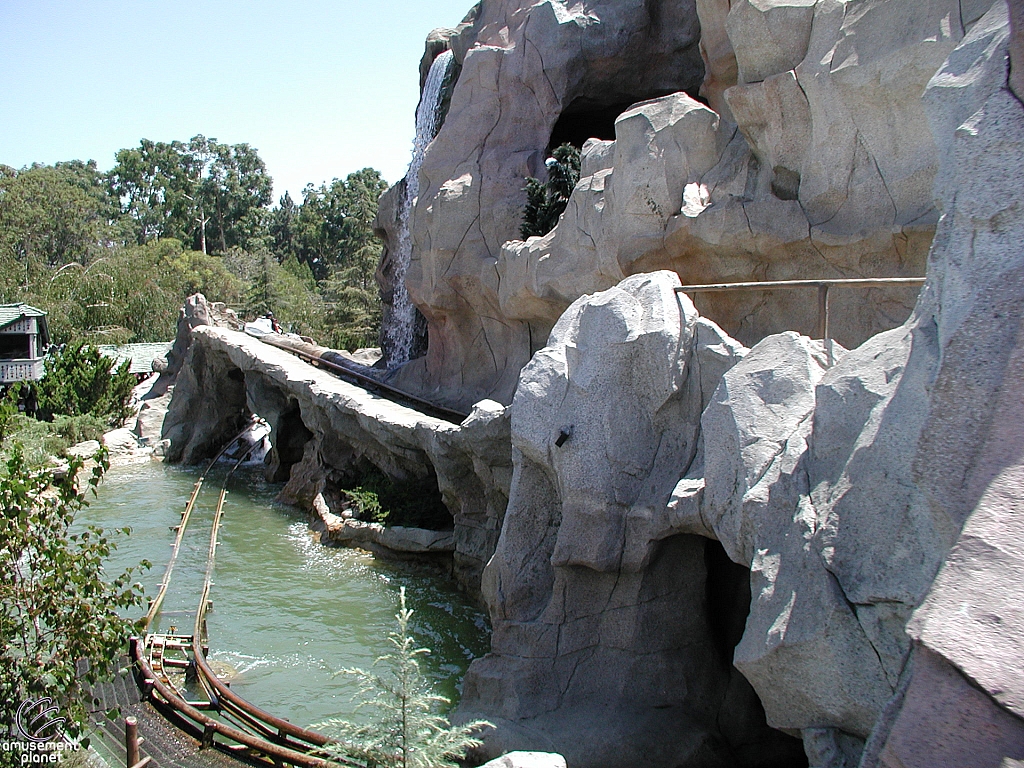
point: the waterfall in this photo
(400, 327)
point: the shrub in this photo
(57, 607)
(78, 380)
(415, 503)
(545, 202)
(404, 731)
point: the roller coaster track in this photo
(223, 719)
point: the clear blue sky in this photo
(320, 88)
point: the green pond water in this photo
(288, 612)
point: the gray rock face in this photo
(858, 496)
(522, 67)
(590, 565)
(809, 161)
(323, 429)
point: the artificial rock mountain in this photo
(705, 543)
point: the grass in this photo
(43, 440)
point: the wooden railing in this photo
(20, 370)
(823, 329)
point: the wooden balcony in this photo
(12, 371)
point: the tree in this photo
(335, 222)
(233, 190)
(202, 192)
(51, 216)
(57, 608)
(79, 380)
(545, 201)
(404, 730)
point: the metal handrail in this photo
(823, 287)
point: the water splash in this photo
(399, 332)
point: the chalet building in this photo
(24, 338)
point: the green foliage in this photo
(545, 201)
(57, 607)
(41, 440)
(9, 409)
(334, 222)
(111, 257)
(203, 192)
(366, 503)
(51, 216)
(415, 503)
(78, 380)
(404, 730)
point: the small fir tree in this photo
(78, 380)
(545, 202)
(405, 730)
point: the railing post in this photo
(131, 740)
(824, 332)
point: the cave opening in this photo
(289, 437)
(590, 118)
(415, 502)
(752, 741)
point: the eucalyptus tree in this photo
(210, 195)
(51, 215)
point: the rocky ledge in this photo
(326, 432)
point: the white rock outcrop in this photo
(605, 647)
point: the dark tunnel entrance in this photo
(588, 118)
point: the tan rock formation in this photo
(824, 173)
(810, 162)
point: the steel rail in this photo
(154, 606)
(359, 378)
(210, 727)
(274, 727)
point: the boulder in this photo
(584, 659)
(124, 448)
(530, 75)
(884, 484)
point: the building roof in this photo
(141, 355)
(12, 313)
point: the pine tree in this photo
(405, 731)
(545, 202)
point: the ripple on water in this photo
(287, 612)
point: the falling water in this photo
(428, 113)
